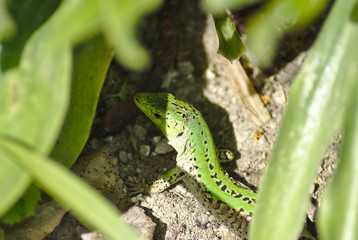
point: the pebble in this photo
(144, 150)
(202, 218)
(139, 132)
(209, 74)
(261, 166)
(91, 236)
(163, 147)
(279, 97)
(143, 224)
(155, 208)
(156, 139)
(186, 67)
(123, 157)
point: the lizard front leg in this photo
(165, 181)
(176, 174)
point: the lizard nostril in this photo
(158, 116)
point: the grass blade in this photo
(317, 103)
(69, 190)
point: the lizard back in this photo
(190, 136)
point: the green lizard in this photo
(198, 162)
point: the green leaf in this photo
(69, 190)
(230, 44)
(75, 20)
(34, 94)
(7, 26)
(34, 97)
(24, 207)
(28, 16)
(120, 19)
(33, 101)
(219, 7)
(91, 61)
(338, 214)
(277, 18)
(315, 112)
(78, 19)
(13, 182)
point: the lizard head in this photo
(171, 115)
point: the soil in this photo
(198, 77)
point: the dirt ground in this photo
(198, 76)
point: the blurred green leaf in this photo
(277, 18)
(7, 25)
(34, 94)
(75, 20)
(33, 101)
(219, 6)
(315, 112)
(230, 44)
(68, 189)
(338, 214)
(120, 19)
(34, 97)
(91, 61)
(13, 182)
(24, 206)
(28, 16)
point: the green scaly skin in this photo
(198, 162)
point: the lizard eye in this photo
(156, 115)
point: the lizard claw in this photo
(137, 187)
